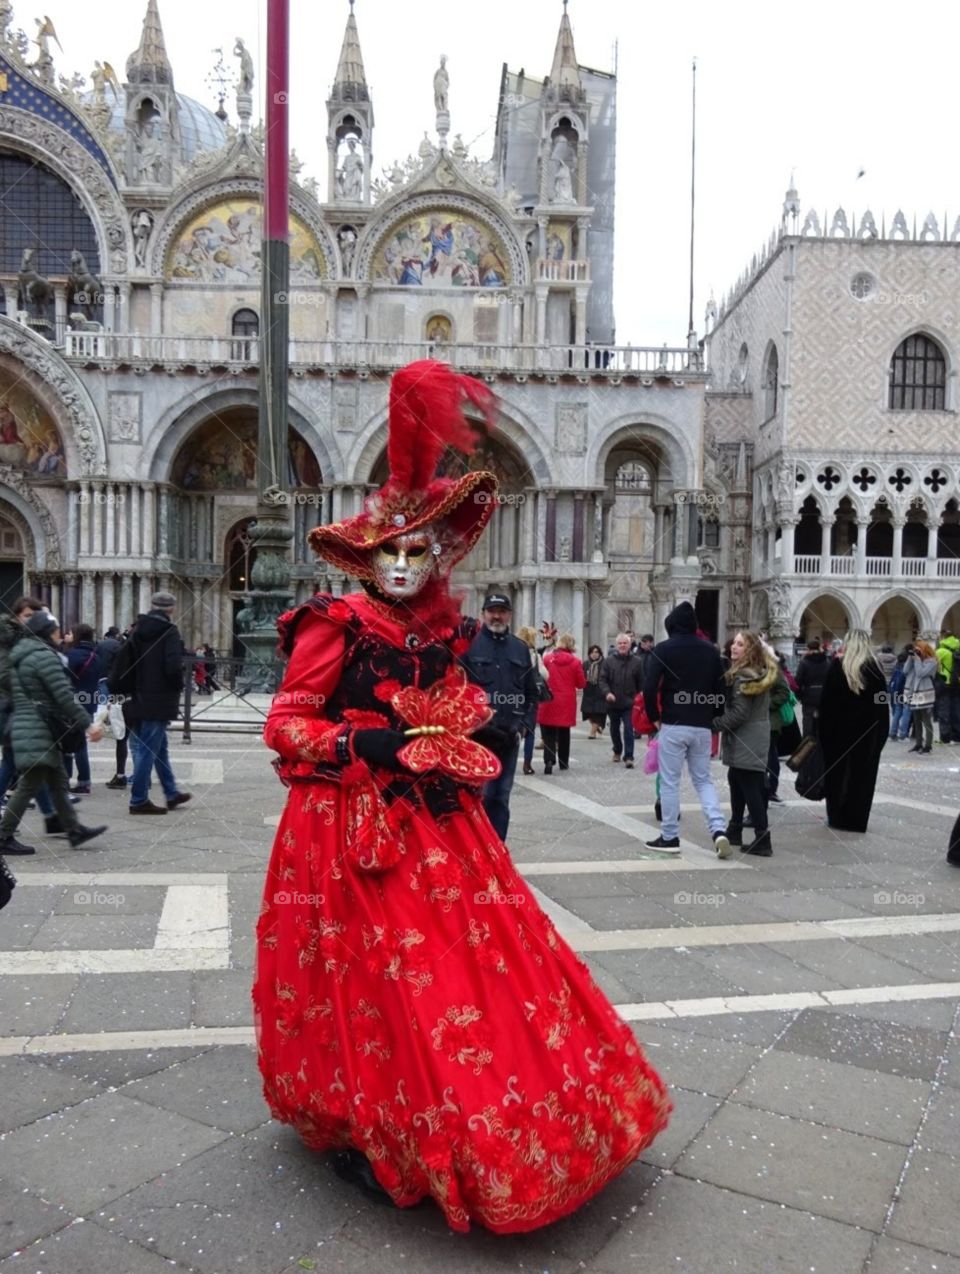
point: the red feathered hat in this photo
(425, 418)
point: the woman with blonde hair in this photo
(854, 716)
(919, 690)
(745, 738)
(529, 636)
(565, 677)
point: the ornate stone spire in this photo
(350, 84)
(149, 64)
(565, 82)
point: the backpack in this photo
(953, 680)
(122, 681)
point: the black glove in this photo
(492, 737)
(380, 747)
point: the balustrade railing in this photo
(616, 360)
(807, 563)
(842, 565)
(879, 566)
(948, 567)
(563, 271)
(913, 567)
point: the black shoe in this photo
(628, 765)
(734, 836)
(564, 767)
(774, 799)
(761, 847)
(79, 835)
(8, 883)
(118, 781)
(53, 825)
(179, 798)
(352, 1166)
(528, 769)
(916, 748)
(147, 807)
(660, 843)
(81, 789)
(10, 845)
(923, 750)
(548, 769)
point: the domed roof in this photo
(200, 128)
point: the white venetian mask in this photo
(403, 565)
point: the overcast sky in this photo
(827, 92)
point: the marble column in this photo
(528, 525)
(88, 598)
(786, 551)
(148, 545)
(73, 523)
(861, 548)
(96, 548)
(126, 611)
(541, 336)
(11, 296)
(70, 611)
(826, 527)
(133, 521)
(156, 309)
(109, 309)
(108, 605)
(581, 316)
(577, 552)
(578, 618)
(83, 502)
(932, 535)
(110, 498)
(550, 528)
(896, 564)
(60, 309)
(144, 593)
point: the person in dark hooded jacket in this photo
(148, 673)
(811, 674)
(685, 675)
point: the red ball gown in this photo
(412, 999)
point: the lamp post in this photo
(271, 533)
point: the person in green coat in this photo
(42, 697)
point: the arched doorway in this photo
(951, 620)
(11, 564)
(896, 622)
(826, 617)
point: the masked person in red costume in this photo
(416, 1010)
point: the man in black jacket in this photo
(148, 672)
(621, 680)
(501, 663)
(811, 674)
(685, 675)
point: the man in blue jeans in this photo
(685, 675)
(147, 675)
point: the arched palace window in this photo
(771, 379)
(918, 376)
(245, 329)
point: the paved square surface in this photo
(803, 1009)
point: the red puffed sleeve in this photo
(296, 725)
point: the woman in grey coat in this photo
(745, 727)
(919, 690)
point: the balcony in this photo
(612, 362)
(878, 568)
(549, 271)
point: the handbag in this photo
(810, 777)
(800, 753)
(67, 735)
(544, 693)
(921, 698)
(787, 709)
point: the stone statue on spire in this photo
(441, 86)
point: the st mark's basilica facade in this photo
(796, 469)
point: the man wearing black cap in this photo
(148, 673)
(500, 663)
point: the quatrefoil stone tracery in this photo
(829, 478)
(900, 480)
(864, 479)
(936, 479)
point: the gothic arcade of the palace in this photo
(796, 469)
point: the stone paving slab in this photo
(84, 1246)
(854, 962)
(913, 1053)
(34, 1006)
(220, 1088)
(696, 1062)
(694, 1227)
(893, 1257)
(129, 1002)
(95, 1152)
(95, 933)
(837, 1095)
(24, 1218)
(114, 1068)
(221, 997)
(29, 1090)
(823, 1171)
(928, 1210)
